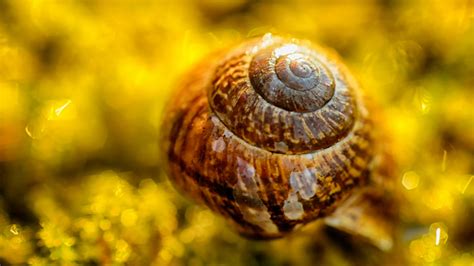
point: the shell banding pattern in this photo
(286, 137)
(284, 97)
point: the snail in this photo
(272, 134)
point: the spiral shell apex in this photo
(283, 97)
(271, 133)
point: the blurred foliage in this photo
(83, 83)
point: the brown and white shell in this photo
(270, 133)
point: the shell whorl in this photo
(291, 77)
(271, 133)
(283, 96)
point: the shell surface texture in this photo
(271, 134)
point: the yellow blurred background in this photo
(83, 85)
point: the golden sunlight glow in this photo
(83, 85)
(410, 180)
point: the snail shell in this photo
(271, 133)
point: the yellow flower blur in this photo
(83, 85)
